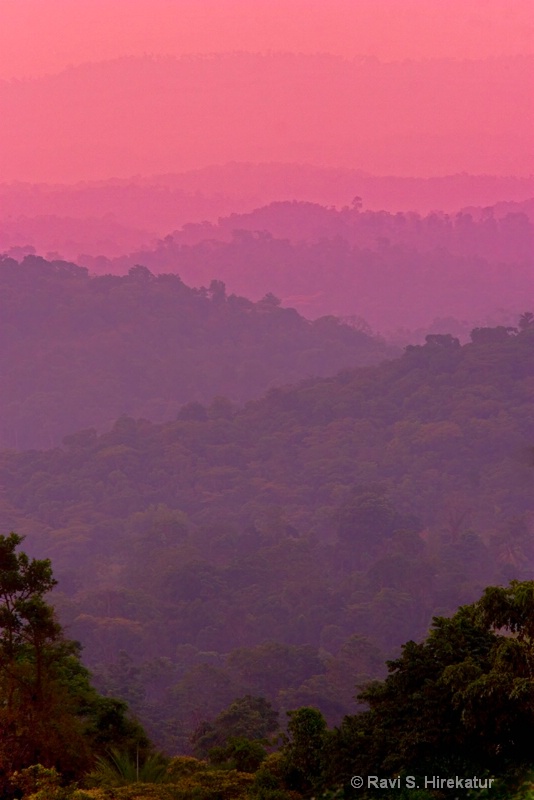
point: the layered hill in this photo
(394, 270)
(116, 217)
(78, 351)
(284, 547)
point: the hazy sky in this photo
(38, 36)
(135, 117)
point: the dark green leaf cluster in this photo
(459, 703)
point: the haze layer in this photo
(409, 89)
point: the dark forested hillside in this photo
(283, 548)
(77, 351)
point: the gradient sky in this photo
(118, 121)
(38, 37)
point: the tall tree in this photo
(49, 712)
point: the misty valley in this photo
(266, 400)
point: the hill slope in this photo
(79, 351)
(394, 270)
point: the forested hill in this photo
(79, 351)
(395, 270)
(352, 506)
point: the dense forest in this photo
(284, 548)
(79, 351)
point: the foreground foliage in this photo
(459, 703)
(49, 712)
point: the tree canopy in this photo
(461, 702)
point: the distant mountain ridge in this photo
(149, 116)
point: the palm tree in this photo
(120, 769)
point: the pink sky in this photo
(38, 37)
(399, 119)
